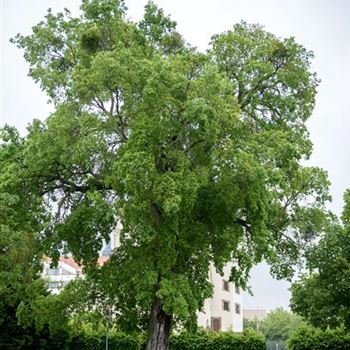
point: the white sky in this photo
(322, 26)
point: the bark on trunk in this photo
(159, 328)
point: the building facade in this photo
(223, 311)
(67, 270)
(58, 277)
(255, 313)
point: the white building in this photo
(255, 313)
(224, 310)
(67, 270)
(221, 312)
(58, 277)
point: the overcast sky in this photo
(322, 26)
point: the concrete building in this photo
(255, 313)
(224, 310)
(58, 277)
(67, 270)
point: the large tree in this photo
(198, 155)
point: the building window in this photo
(237, 290)
(226, 305)
(216, 323)
(225, 285)
(237, 308)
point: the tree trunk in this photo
(159, 328)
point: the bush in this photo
(19, 338)
(217, 341)
(309, 338)
(117, 341)
(121, 341)
(182, 341)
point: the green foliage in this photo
(20, 338)
(80, 306)
(198, 155)
(253, 325)
(22, 216)
(308, 338)
(323, 296)
(87, 340)
(277, 327)
(316, 301)
(117, 341)
(217, 341)
(280, 324)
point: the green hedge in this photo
(119, 341)
(183, 341)
(217, 341)
(308, 338)
(30, 339)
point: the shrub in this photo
(87, 340)
(309, 338)
(117, 341)
(182, 341)
(217, 341)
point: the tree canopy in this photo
(280, 325)
(197, 154)
(322, 296)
